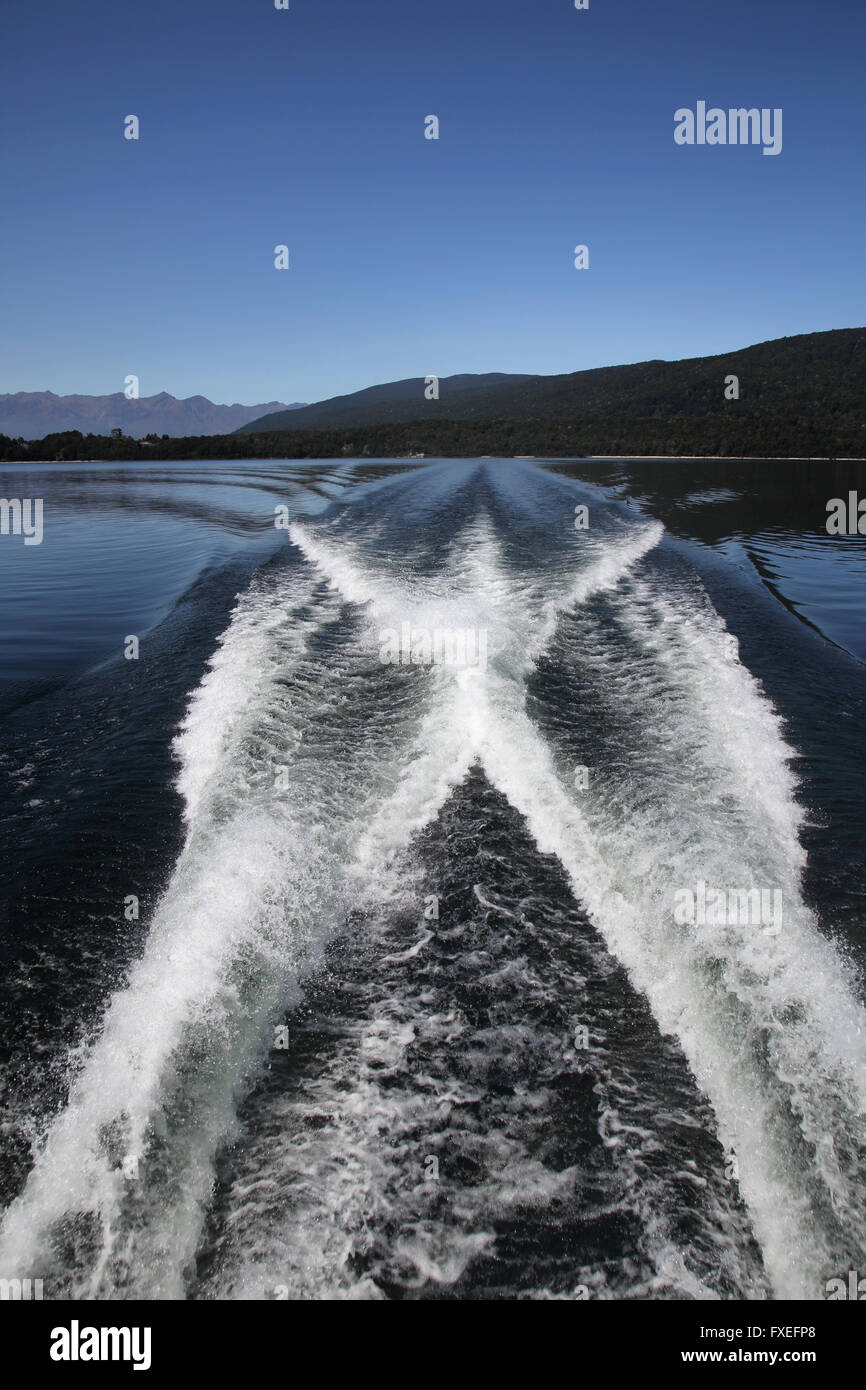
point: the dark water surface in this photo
(328, 977)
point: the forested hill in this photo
(815, 375)
(396, 400)
(798, 397)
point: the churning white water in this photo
(308, 768)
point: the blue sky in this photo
(410, 256)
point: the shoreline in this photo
(722, 458)
(468, 458)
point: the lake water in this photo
(334, 967)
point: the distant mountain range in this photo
(814, 374)
(33, 414)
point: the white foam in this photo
(262, 880)
(728, 815)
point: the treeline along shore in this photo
(798, 397)
(813, 436)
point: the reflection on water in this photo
(771, 512)
(284, 809)
(122, 544)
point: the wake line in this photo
(260, 881)
(476, 584)
(772, 1028)
(455, 730)
(183, 980)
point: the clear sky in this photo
(412, 257)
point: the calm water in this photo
(333, 978)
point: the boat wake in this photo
(506, 1063)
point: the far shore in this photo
(472, 458)
(722, 458)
